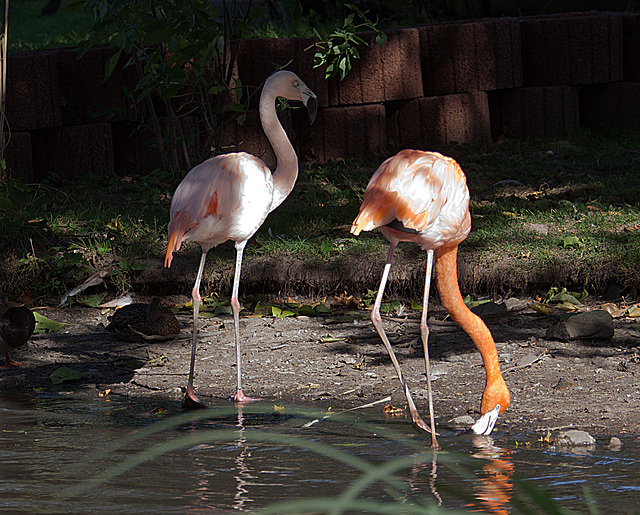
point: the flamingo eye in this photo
(295, 83)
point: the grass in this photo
(568, 208)
(30, 30)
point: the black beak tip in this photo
(312, 108)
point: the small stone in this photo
(597, 324)
(513, 304)
(489, 308)
(575, 438)
(463, 420)
(615, 444)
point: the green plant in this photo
(184, 53)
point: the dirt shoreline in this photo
(588, 385)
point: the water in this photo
(64, 453)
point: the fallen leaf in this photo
(93, 301)
(46, 325)
(278, 409)
(542, 308)
(65, 375)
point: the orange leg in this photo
(495, 390)
(8, 363)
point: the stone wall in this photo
(429, 86)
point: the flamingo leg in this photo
(376, 319)
(424, 332)
(191, 400)
(235, 305)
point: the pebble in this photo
(463, 420)
(575, 438)
(615, 444)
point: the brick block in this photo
(382, 74)
(471, 56)
(631, 46)
(430, 123)
(136, 151)
(92, 98)
(572, 49)
(524, 112)
(18, 158)
(350, 132)
(615, 105)
(72, 151)
(33, 99)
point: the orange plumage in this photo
(423, 197)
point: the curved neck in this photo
(286, 172)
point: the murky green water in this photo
(65, 454)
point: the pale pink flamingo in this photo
(16, 327)
(423, 197)
(228, 197)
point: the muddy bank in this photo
(338, 359)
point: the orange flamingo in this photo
(423, 197)
(228, 197)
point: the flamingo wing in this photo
(424, 191)
(209, 204)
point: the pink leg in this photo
(235, 305)
(424, 332)
(377, 323)
(191, 400)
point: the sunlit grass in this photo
(30, 30)
(576, 209)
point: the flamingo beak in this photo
(312, 106)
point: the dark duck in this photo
(16, 327)
(139, 322)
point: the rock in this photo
(489, 308)
(615, 444)
(575, 438)
(514, 304)
(463, 420)
(597, 324)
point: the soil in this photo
(338, 360)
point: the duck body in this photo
(16, 327)
(144, 322)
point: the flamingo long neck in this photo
(286, 172)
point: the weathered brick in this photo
(18, 157)
(614, 105)
(572, 49)
(136, 151)
(430, 123)
(382, 74)
(631, 46)
(351, 131)
(33, 99)
(94, 98)
(543, 111)
(72, 151)
(471, 56)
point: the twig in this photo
(315, 421)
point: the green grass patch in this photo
(30, 30)
(570, 205)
